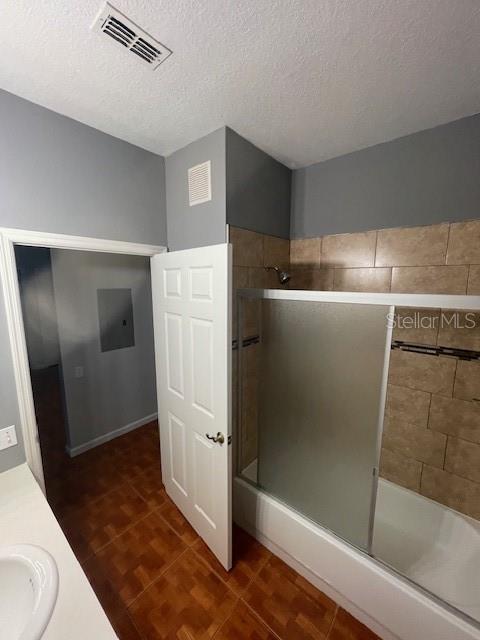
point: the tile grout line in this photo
(133, 524)
(139, 633)
(259, 617)
(93, 501)
(243, 591)
(260, 569)
(240, 595)
(448, 243)
(130, 526)
(455, 378)
(346, 265)
(421, 477)
(154, 511)
(95, 449)
(99, 497)
(227, 618)
(163, 572)
(95, 552)
(428, 414)
(337, 607)
(205, 562)
(139, 494)
(189, 546)
(124, 613)
(445, 452)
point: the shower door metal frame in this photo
(390, 300)
(421, 300)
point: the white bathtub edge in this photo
(390, 607)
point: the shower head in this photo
(283, 276)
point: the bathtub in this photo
(412, 534)
(437, 548)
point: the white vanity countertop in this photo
(25, 517)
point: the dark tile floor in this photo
(155, 578)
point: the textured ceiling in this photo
(304, 80)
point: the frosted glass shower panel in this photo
(320, 400)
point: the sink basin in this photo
(28, 591)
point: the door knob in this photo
(220, 438)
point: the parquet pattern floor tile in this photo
(125, 629)
(249, 556)
(77, 490)
(243, 624)
(188, 601)
(289, 604)
(91, 527)
(136, 558)
(149, 485)
(100, 582)
(155, 578)
(171, 514)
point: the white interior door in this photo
(192, 320)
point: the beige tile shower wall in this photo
(442, 258)
(431, 440)
(252, 252)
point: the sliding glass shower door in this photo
(320, 396)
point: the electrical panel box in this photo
(115, 316)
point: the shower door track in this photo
(422, 300)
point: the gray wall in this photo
(117, 387)
(9, 413)
(423, 178)
(202, 224)
(61, 176)
(258, 189)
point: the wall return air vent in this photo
(113, 24)
(199, 183)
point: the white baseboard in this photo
(106, 437)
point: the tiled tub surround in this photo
(432, 429)
(442, 258)
(252, 252)
(431, 440)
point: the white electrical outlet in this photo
(78, 372)
(8, 437)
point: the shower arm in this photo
(283, 276)
(277, 269)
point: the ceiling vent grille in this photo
(199, 183)
(111, 22)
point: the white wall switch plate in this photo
(8, 437)
(78, 371)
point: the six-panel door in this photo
(192, 322)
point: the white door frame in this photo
(16, 330)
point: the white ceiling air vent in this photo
(199, 183)
(112, 23)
